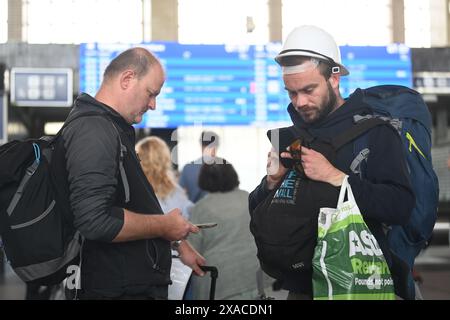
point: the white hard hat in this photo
(311, 41)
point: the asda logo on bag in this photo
(364, 244)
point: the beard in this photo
(326, 107)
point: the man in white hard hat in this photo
(312, 67)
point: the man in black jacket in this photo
(311, 67)
(127, 251)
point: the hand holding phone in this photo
(295, 150)
(206, 225)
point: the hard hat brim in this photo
(343, 71)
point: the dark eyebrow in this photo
(307, 87)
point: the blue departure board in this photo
(235, 85)
(371, 66)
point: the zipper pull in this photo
(412, 143)
(408, 136)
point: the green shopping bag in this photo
(348, 262)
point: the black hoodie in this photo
(384, 196)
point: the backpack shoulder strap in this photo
(355, 131)
(123, 175)
(122, 150)
(82, 115)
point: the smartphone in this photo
(280, 139)
(206, 225)
(296, 151)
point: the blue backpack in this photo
(405, 109)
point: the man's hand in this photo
(275, 170)
(176, 227)
(171, 226)
(190, 257)
(318, 168)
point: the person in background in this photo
(209, 141)
(155, 159)
(126, 253)
(229, 246)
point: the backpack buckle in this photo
(32, 169)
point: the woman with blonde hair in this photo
(156, 163)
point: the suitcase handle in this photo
(213, 270)
(214, 274)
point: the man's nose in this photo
(300, 101)
(152, 104)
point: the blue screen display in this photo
(236, 85)
(371, 66)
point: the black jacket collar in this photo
(86, 103)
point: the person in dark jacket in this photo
(311, 67)
(127, 249)
(209, 142)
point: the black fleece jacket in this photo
(384, 195)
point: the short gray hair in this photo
(137, 59)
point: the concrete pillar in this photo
(398, 21)
(447, 14)
(164, 20)
(439, 23)
(146, 20)
(15, 21)
(275, 21)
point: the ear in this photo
(334, 80)
(126, 78)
